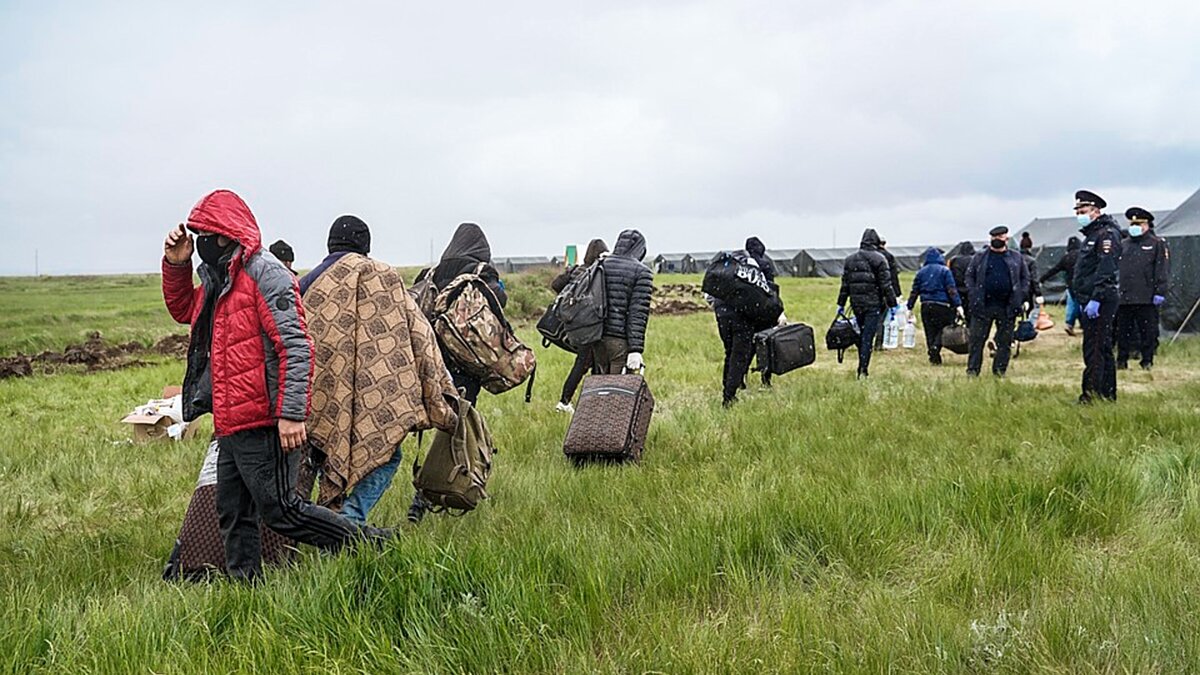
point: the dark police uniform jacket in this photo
(1097, 271)
(1145, 269)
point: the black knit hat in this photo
(349, 233)
(283, 251)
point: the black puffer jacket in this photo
(958, 267)
(866, 279)
(628, 284)
(1065, 264)
(467, 249)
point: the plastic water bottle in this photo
(891, 333)
(910, 332)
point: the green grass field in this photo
(916, 522)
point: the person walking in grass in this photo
(867, 285)
(627, 287)
(997, 281)
(737, 332)
(934, 286)
(583, 360)
(249, 364)
(1066, 266)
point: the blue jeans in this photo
(370, 489)
(868, 321)
(1072, 310)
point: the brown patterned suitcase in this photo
(611, 419)
(199, 551)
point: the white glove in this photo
(959, 311)
(782, 319)
(633, 362)
(1040, 300)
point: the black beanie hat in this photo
(283, 251)
(349, 233)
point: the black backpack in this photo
(579, 310)
(842, 335)
(731, 279)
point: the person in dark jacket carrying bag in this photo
(867, 284)
(958, 267)
(737, 332)
(1095, 286)
(250, 365)
(467, 253)
(628, 285)
(997, 283)
(1066, 265)
(934, 285)
(1145, 278)
(583, 360)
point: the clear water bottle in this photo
(910, 332)
(891, 332)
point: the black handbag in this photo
(956, 337)
(553, 331)
(843, 334)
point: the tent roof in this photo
(829, 253)
(670, 256)
(1183, 221)
(525, 259)
(782, 253)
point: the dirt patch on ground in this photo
(93, 355)
(677, 299)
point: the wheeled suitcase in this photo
(783, 349)
(611, 419)
(200, 551)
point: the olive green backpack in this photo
(457, 466)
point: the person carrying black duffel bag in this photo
(742, 312)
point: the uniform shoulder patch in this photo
(1106, 246)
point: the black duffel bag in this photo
(956, 337)
(744, 288)
(553, 331)
(842, 335)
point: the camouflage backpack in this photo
(458, 465)
(474, 334)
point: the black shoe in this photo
(1085, 400)
(972, 373)
(998, 373)
(416, 513)
(935, 360)
(1147, 367)
(863, 374)
(1122, 365)
(728, 403)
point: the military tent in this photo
(670, 263)
(1181, 228)
(521, 263)
(822, 262)
(785, 261)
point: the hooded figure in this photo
(583, 360)
(284, 253)
(958, 264)
(757, 250)
(467, 251)
(249, 363)
(628, 284)
(867, 284)
(737, 334)
(935, 286)
(1065, 264)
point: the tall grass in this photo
(916, 522)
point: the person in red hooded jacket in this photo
(250, 363)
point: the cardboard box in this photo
(156, 426)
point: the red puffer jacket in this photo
(250, 359)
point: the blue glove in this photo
(1092, 310)
(1159, 300)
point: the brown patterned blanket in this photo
(378, 372)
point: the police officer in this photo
(1145, 275)
(1095, 287)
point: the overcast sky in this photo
(552, 122)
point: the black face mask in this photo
(999, 244)
(211, 251)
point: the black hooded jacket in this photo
(958, 267)
(866, 279)
(628, 284)
(757, 251)
(467, 249)
(1065, 264)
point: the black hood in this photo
(755, 247)
(870, 239)
(468, 243)
(1073, 243)
(630, 244)
(967, 248)
(594, 249)
(349, 233)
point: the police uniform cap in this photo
(998, 230)
(1136, 214)
(1089, 198)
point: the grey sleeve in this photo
(282, 319)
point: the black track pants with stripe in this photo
(256, 479)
